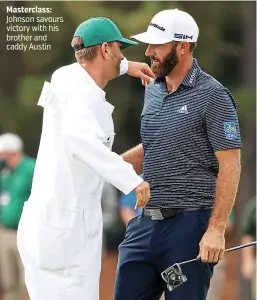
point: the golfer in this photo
(60, 232)
(190, 155)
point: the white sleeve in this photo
(123, 66)
(82, 136)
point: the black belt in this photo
(164, 213)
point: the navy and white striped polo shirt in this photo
(180, 133)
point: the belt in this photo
(164, 213)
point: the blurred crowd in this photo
(16, 175)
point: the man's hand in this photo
(212, 246)
(142, 192)
(140, 70)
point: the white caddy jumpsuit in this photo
(60, 231)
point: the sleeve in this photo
(123, 66)
(128, 201)
(221, 119)
(82, 136)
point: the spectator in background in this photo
(113, 229)
(248, 266)
(127, 207)
(16, 172)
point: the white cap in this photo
(170, 25)
(11, 143)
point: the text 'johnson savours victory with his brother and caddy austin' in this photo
(27, 28)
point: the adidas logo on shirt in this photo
(183, 110)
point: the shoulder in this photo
(214, 89)
(64, 74)
(70, 83)
(207, 82)
(153, 92)
(153, 87)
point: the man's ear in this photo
(184, 47)
(105, 50)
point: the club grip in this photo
(227, 250)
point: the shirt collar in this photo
(190, 78)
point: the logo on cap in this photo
(182, 36)
(157, 26)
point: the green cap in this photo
(96, 31)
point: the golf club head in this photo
(173, 277)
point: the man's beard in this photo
(162, 69)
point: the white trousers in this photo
(61, 253)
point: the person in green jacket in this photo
(16, 173)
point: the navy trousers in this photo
(151, 246)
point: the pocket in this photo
(203, 220)
(209, 269)
(58, 236)
(131, 220)
(128, 228)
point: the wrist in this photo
(131, 66)
(124, 66)
(218, 226)
(124, 157)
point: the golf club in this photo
(174, 277)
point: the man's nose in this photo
(149, 51)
